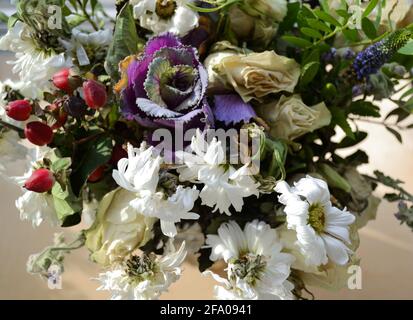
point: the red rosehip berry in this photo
(40, 181)
(61, 80)
(38, 133)
(117, 153)
(19, 110)
(97, 174)
(94, 94)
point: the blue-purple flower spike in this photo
(370, 60)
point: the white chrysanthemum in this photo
(37, 207)
(165, 16)
(33, 206)
(223, 184)
(139, 173)
(10, 151)
(257, 269)
(169, 210)
(34, 66)
(322, 229)
(140, 170)
(145, 277)
(81, 38)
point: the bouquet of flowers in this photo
(212, 129)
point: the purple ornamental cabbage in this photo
(166, 85)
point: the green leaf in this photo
(311, 33)
(334, 179)
(278, 152)
(308, 72)
(370, 7)
(348, 142)
(298, 42)
(3, 17)
(407, 93)
(125, 41)
(319, 25)
(61, 164)
(65, 202)
(396, 134)
(351, 35)
(327, 18)
(95, 153)
(340, 118)
(407, 49)
(368, 28)
(365, 109)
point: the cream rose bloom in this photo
(290, 118)
(118, 230)
(255, 75)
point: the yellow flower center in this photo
(165, 9)
(316, 217)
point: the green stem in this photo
(87, 16)
(12, 127)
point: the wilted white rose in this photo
(290, 118)
(256, 75)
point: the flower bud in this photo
(94, 94)
(38, 133)
(75, 106)
(40, 181)
(63, 80)
(19, 110)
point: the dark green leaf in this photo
(348, 142)
(298, 42)
(364, 108)
(125, 41)
(308, 72)
(314, 23)
(327, 17)
(368, 28)
(311, 33)
(351, 34)
(95, 153)
(396, 134)
(340, 118)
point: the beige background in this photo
(386, 247)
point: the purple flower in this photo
(166, 85)
(231, 109)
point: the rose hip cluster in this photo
(40, 133)
(74, 96)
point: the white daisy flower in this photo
(33, 206)
(165, 16)
(223, 184)
(144, 277)
(322, 229)
(34, 66)
(139, 173)
(257, 269)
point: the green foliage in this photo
(125, 41)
